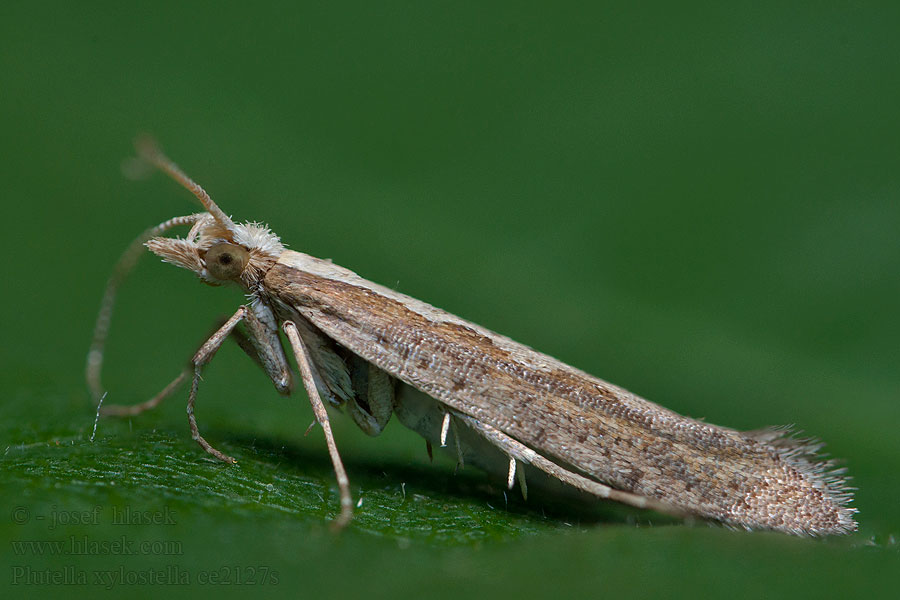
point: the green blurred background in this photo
(699, 202)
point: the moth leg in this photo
(265, 348)
(519, 451)
(460, 461)
(261, 345)
(372, 402)
(130, 410)
(304, 362)
(201, 358)
(446, 425)
(511, 477)
(330, 372)
(523, 487)
(445, 429)
(515, 473)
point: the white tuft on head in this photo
(255, 236)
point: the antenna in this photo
(149, 150)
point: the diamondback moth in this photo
(375, 352)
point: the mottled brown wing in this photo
(561, 412)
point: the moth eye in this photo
(226, 261)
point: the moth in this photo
(375, 352)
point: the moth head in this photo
(216, 249)
(241, 253)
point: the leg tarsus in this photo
(195, 431)
(201, 358)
